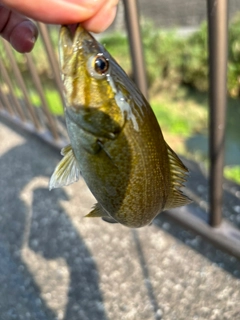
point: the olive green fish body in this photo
(125, 175)
(116, 141)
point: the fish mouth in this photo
(69, 33)
(74, 39)
(72, 28)
(73, 35)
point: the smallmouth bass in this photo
(116, 142)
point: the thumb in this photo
(17, 29)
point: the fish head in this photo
(92, 98)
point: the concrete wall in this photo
(175, 13)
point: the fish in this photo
(116, 143)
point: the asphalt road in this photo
(56, 264)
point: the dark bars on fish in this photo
(218, 51)
(134, 34)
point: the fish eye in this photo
(98, 66)
(101, 64)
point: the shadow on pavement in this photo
(52, 235)
(146, 276)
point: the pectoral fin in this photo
(67, 171)
(99, 212)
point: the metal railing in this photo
(209, 223)
(15, 95)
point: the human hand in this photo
(22, 33)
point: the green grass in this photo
(53, 99)
(177, 115)
(232, 173)
(183, 115)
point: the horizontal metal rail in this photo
(196, 218)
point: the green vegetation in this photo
(53, 100)
(172, 60)
(177, 74)
(44, 71)
(232, 173)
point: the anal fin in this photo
(99, 212)
(67, 171)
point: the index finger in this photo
(56, 11)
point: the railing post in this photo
(218, 48)
(134, 34)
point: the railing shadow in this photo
(147, 280)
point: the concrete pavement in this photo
(54, 264)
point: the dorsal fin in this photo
(178, 178)
(67, 171)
